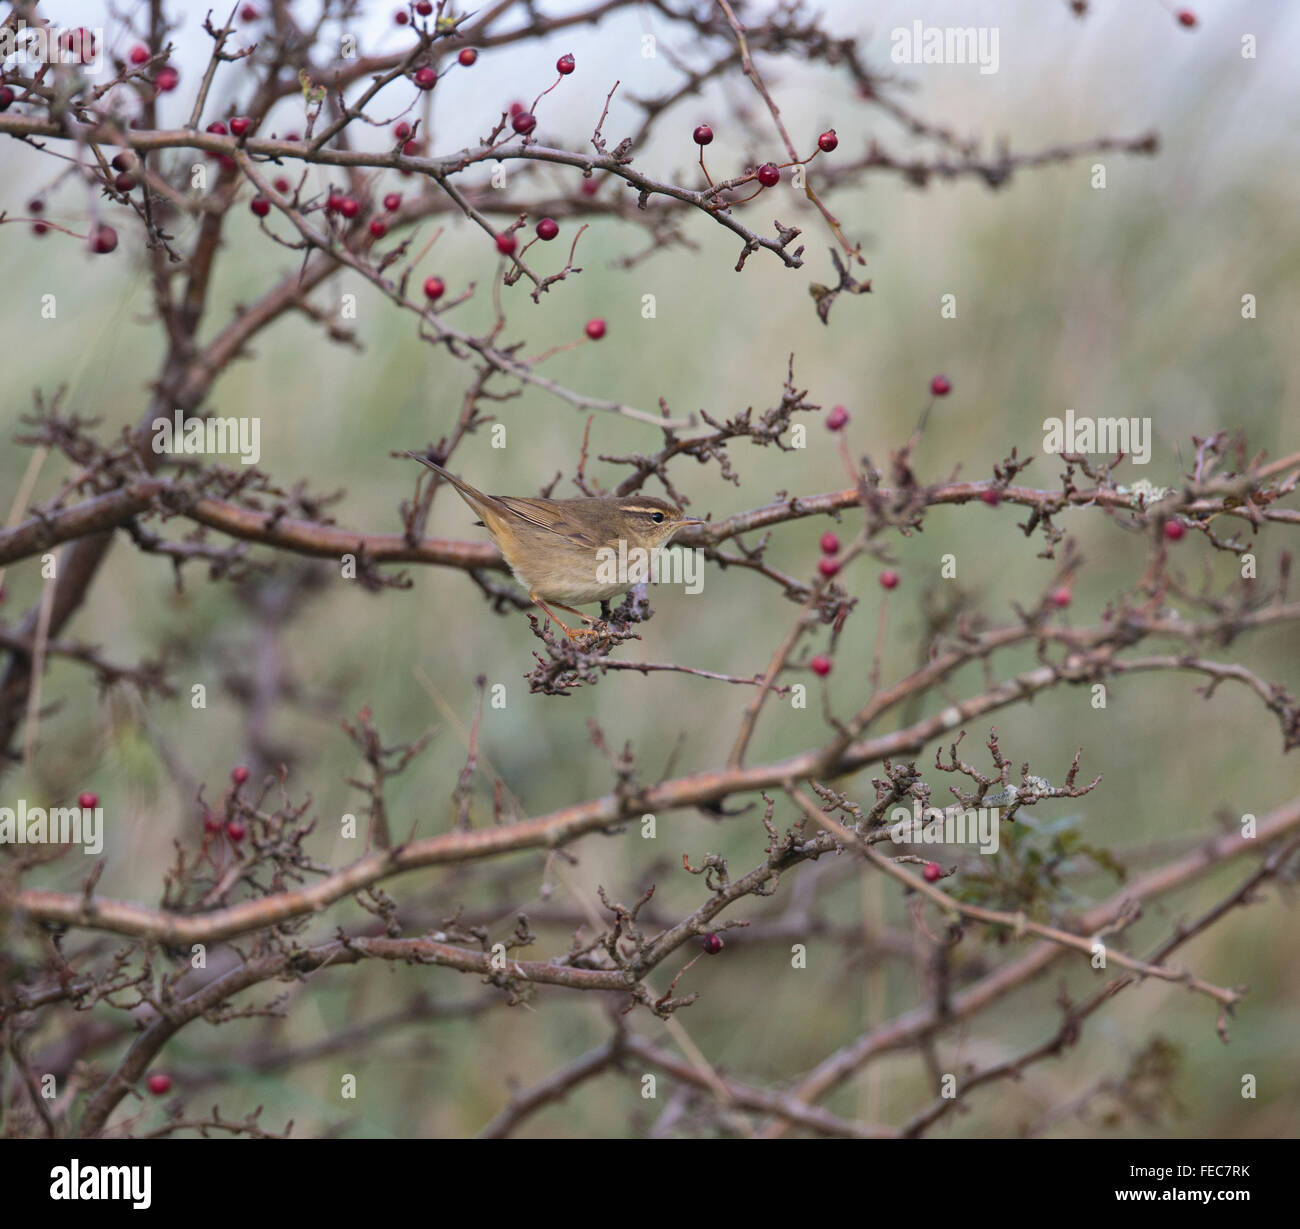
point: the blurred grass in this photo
(1117, 302)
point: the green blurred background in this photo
(1119, 302)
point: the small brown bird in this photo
(559, 549)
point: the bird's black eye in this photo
(658, 518)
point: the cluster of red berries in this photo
(423, 7)
(78, 44)
(828, 565)
(344, 205)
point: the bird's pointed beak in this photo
(690, 520)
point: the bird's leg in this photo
(568, 631)
(586, 618)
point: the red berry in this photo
(87, 801)
(103, 239)
(828, 565)
(159, 1083)
(39, 228)
(235, 830)
(595, 329)
(260, 206)
(6, 97)
(940, 386)
(425, 78)
(217, 128)
(467, 56)
(590, 187)
(991, 496)
(889, 579)
(768, 175)
(78, 44)
(702, 135)
(434, 288)
(424, 8)
(547, 228)
(1174, 530)
(123, 161)
(248, 13)
(830, 544)
(124, 182)
(226, 162)
(401, 17)
(167, 79)
(524, 123)
(828, 141)
(1186, 18)
(393, 202)
(712, 944)
(517, 108)
(36, 205)
(1061, 596)
(281, 184)
(837, 418)
(565, 65)
(506, 244)
(138, 54)
(402, 130)
(334, 202)
(240, 125)
(378, 227)
(933, 872)
(349, 206)
(293, 136)
(411, 149)
(239, 774)
(211, 824)
(820, 665)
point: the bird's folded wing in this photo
(544, 515)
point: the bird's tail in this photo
(471, 495)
